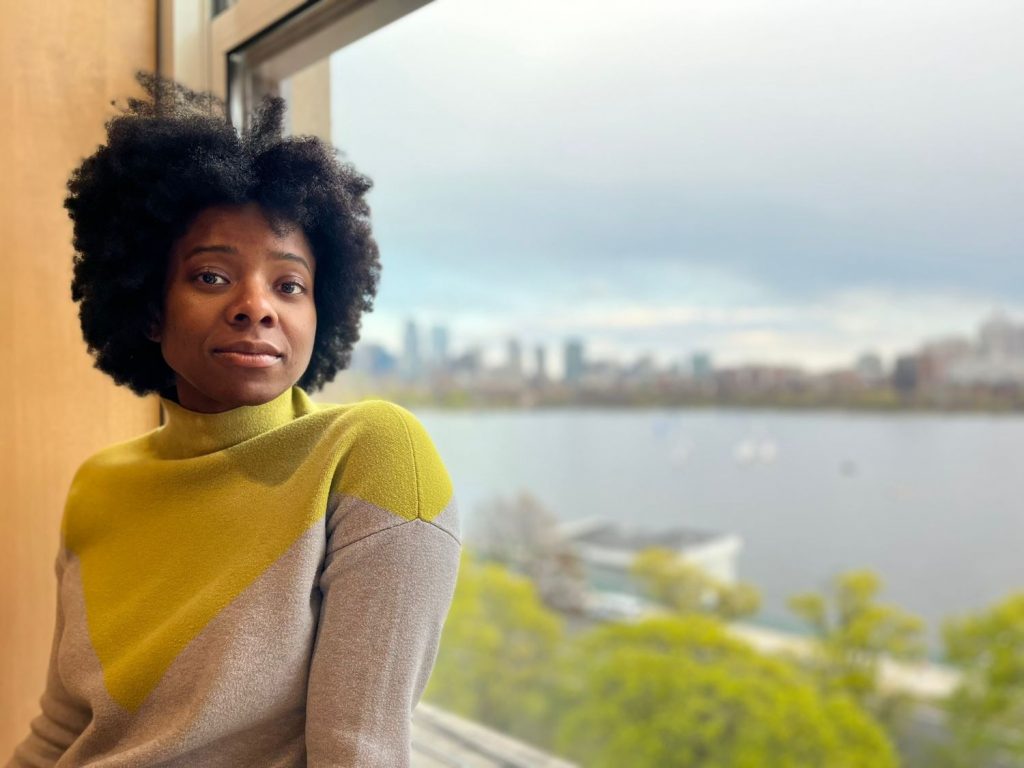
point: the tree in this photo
(498, 654)
(680, 691)
(523, 534)
(686, 588)
(986, 712)
(853, 633)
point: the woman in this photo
(262, 580)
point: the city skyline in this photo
(998, 336)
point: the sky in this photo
(788, 182)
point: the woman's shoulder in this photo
(380, 425)
(391, 460)
(114, 455)
(370, 409)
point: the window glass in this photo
(712, 309)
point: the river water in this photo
(933, 503)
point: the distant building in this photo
(937, 360)
(601, 374)
(374, 360)
(607, 550)
(540, 364)
(992, 371)
(869, 368)
(700, 365)
(439, 347)
(999, 336)
(996, 359)
(411, 362)
(760, 379)
(514, 362)
(469, 363)
(574, 362)
(904, 374)
(643, 368)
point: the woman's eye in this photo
(300, 286)
(202, 275)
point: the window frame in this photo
(247, 49)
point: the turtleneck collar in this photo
(188, 433)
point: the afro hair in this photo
(169, 157)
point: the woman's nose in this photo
(253, 302)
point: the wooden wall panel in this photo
(61, 63)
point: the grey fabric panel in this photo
(62, 717)
(448, 520)
(386, 596)
(350, 518)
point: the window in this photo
(697, 302)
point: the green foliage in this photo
(854, 632)
(986, 712)
(737, 601)
(686, 588)
(672, 691)
(498, 654)
(680, 691)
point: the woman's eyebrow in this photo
(231, 249)
(291, 257)
(209, 248)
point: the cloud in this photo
(671, 158)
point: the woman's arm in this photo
(385, 599)
(62, 718)
(387, 584)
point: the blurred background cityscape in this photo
(984, 370)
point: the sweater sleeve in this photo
(62, 718)
(389, 575)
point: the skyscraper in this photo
(701, 366)
(439, 347)
(574, 363)
(541, 373)
(515, 358)
(411, 363)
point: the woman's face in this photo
(230, 280)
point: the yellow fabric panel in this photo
(393, 446)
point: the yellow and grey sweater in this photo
(264, 586)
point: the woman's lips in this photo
(248, 360)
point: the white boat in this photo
(751, 450)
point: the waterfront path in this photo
(923, 680)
